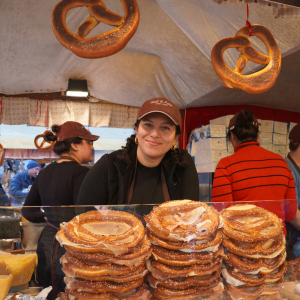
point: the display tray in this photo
(62, 214)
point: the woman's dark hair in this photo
(176, 156)
(244, 129)
(294, 146)
(60, 147)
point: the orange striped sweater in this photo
(253, 173)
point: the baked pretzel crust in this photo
(44, 145)
(188, 282)
(261, 248)
(238, 224)
(183, 220)
(77, 238)
(249, 280)
(156, 268)
(255, 83)
(178, 258)
(104, 44)
(213, 242)
(132, 259)
(252, 293)
(250, 265)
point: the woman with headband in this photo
(253, 173)
(58, 185)
(149, 169)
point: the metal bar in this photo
(295, 3)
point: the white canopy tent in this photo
(168, 56)
(22, 136)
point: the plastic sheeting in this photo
(168, 56)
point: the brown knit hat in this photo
(161, 105)
(294, 135)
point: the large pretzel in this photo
(41, 146)
(255, 83)
(102, 45)
(249, 223)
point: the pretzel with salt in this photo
(261, 265)
(258, 82)
(249, 223)
(253, 292)
(266, 248)
(182, 220)
(112, 232)
(188, 282)
(256, 279)
(104, 44)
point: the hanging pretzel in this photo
(1, 154)
(255, 83)
(102, 45)
(40, 146)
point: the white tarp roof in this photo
(168, 56)
(22, 136)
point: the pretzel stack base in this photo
(105, 257)
(187, 253)
(255, 248)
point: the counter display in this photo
(178, 250)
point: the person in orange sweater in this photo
(253, 173)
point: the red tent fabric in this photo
(194, 117)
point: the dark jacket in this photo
(19, 182)
(108, 182)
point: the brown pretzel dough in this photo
(40, 146)
(183, 220)
(104, 44)
(249, 223)
(255, 83)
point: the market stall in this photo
(169, 49)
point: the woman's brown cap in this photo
(71, 129)
(161, 105)
(294, 135)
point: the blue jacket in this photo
(19, 182)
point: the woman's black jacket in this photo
(108, 182)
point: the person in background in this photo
(22, 182)
(149, 169)
(253, 173)
(58, 185)
(293, 158)
(4, 201)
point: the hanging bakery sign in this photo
(105, 44)
(258, 82)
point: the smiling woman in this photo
(149, 169)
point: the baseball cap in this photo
(71, 129)
(161, 105)
(294, 135)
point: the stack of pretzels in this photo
(105, 256)
(187, 253)
(255, 248)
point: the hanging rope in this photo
(247, 22)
